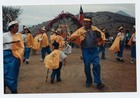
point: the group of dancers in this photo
(54, 49)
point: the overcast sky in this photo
(35, 14)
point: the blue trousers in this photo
(91, 56)
(102, 49)
(45, 50)
(133, 50)
(27, 52)
(11, 71)
(120, 53)
(56, 72)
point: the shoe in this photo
(59, 80)
(121, 60)
(24, 60)
(41, 60)
(52, 80)
(81, 57)
(100, 86)
(103, 58)
(88, 85)
(118, 59)
(27, 62)
(132, 61)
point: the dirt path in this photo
(118, 77)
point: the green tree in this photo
(10, 14)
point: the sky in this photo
(36, 14)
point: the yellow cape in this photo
(79, 35)
(58, 39)
(18, 48)
(44, 41)
(116, 44)
(36, 42)
(29, 40)
(51, 61)
(131, 39)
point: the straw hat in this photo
(12, 23)
(120, 28)
(43, 28)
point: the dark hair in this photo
(28, 30)
(56, 45)
(127, 31)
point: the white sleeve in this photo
(119, 33)
(62, 56)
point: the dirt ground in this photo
(117, 76)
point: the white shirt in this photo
(7, 37)
(134, 38)
(24, 37)
(62, 56)
(121, 36)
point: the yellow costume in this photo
(29, 40)
(44, 41)
(18, 48)
(78, 36)
(36, 45)
(131, 39)
(51, 61)
(53, 37)
(116, 44)
(58, 39)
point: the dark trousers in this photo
(57, 72)
(45, 50)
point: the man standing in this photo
(13, 50)
(88, 37)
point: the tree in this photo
(10, 14)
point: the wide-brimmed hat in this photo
(120, 28)
(43, 28)
(53, 30)
(58, 31)
(24, 27)
(104, 30)
(12, 23)
(87, 19)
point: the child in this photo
(54, 61)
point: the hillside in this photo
(108, 20)
(123, 13)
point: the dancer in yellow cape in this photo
(44, 43)
(88, 38)
(118, 44)
(54, 61)
(13, 50)
(132, 43)
(58, 38)
(36, 45)
(28, 43)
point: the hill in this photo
(123, 13)
(108, 20)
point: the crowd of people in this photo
(54, 49)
